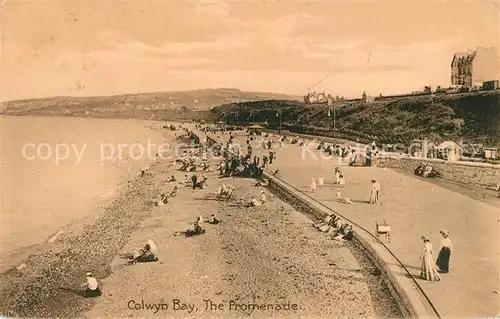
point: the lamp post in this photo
(237, 117)
(278, 113)
(334, 121)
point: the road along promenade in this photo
(412, 207)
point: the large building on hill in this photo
(472, 68)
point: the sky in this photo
(61, 48)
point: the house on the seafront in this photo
(314, 97)
(473, 68)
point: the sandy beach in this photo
(268, 255)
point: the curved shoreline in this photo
(50, 284)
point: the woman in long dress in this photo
(313, 185)
(375, 192)
(428, 270)
(443, 259)
(336, 175)
(321, 181)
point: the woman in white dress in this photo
(375, 192)
(428, 270)
(321, 181)
(313, 185)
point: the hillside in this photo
(161, 105)
(474, 117)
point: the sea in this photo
(57, 171)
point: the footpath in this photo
(413, 207)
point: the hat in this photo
(425, 238)
(444, 232)
(89, 274)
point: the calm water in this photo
(39, 194)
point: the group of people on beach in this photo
(336, 228)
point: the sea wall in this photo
(477, 174)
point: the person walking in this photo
(321, 181)
(443, 259)
(313, 185)
(368, 161)
(375, 192)
(428, 270)
(336, 175)
(194, 180)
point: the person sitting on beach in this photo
(163, 200)
(344, 233)
(145, 255)
(263, 197)
(92, 287)
(195, 229)
(325, 225)
(254, 202)
(174, 191)
(172, 179)
(213, 220)
(263, 183)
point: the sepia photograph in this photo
(260, 159)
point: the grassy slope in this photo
(475, 117)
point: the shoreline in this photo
(20, 241)
(88, 244)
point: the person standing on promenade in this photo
(313, 185)
(321, 181)
(271, 157)
(428, 269)
(264, 161)
(443, 259)
(341, 181)
(375, 192)
(336, 175)
(353, 158)
(194, 180)
(368, 161)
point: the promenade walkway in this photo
(414, 207)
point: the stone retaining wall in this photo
(408, 300)
(477, 174)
